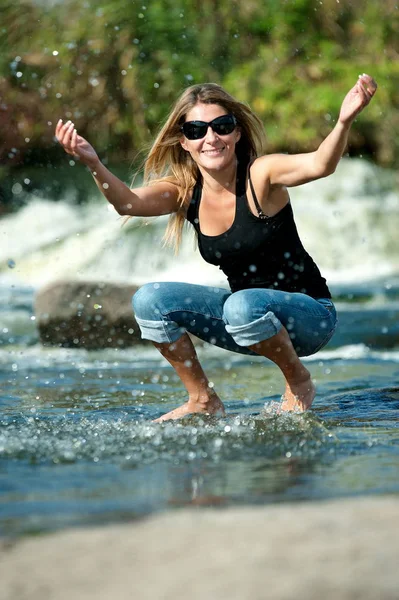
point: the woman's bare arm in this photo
(292, 170)
(148, 201)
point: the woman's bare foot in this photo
(211, 405)
(298, 396)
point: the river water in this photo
(77, 445)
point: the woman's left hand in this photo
(357, 98)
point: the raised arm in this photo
(292, 170)
(148, 201)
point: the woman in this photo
(207, 166)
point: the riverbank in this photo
(344, 549)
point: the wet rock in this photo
(91, 315)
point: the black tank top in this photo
(259, 252)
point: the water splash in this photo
(128, 439)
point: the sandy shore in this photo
(343, 549)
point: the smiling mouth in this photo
(213, 151)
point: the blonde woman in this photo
(208, 166)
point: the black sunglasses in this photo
(195, 130)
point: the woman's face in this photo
(214, 151)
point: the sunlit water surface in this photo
(77, 445)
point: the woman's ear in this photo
(183, 143)
(238, 133)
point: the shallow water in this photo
(77, 445)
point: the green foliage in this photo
(116, 67)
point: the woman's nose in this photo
(210, 134)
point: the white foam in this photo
(347, 222)
(354, 352)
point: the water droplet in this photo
(11, 263)
(16, 189)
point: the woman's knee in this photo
(146, 301)
(239, 309)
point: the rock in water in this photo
(91, 315)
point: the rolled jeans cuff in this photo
(160, 331)
(257, 331)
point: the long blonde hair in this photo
(168, 161)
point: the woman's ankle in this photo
(296, 374)
(213, 406)
(206, 401)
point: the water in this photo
(77, 445)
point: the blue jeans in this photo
(165, 311)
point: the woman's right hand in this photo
(75, 144)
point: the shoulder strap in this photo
(261, 214)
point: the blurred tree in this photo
(116, 67)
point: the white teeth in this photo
(215, 151)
